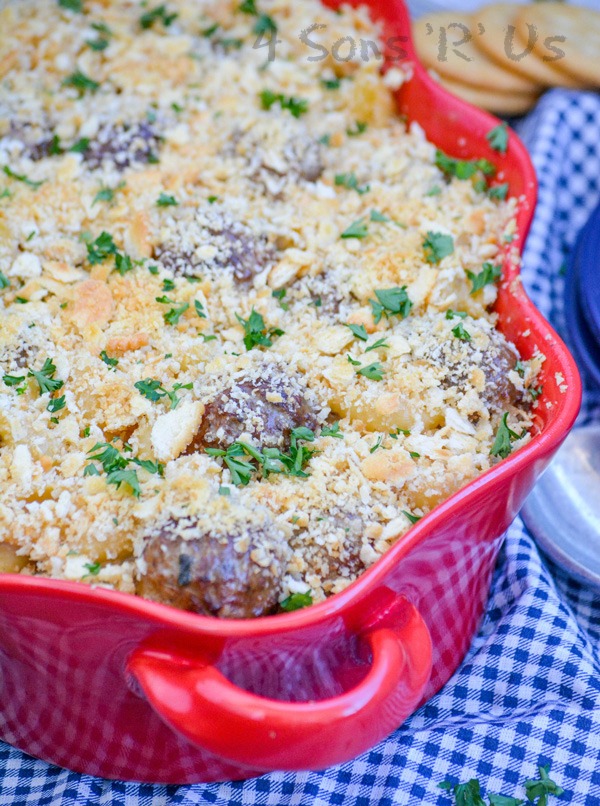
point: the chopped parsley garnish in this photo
(498, 138)
(153, 269)
(45, 377)
(374, 372)
(412, 518)
(13, 380)
(110, 362)
(115, 465)
(350, 181)
(168, 284)
(224, 491)
(22, 178)
(359, 331)
(325, 139)
(520, 368)
(55, 148)
(5, 194)
(379, 217)
(504, 437)
(56, 404)
(331, 83)
(450, 314)
(296, 601)
(107, 194)
(279, 294)
(434, 191)
(72, 5)
(378, 444)
(243, 460)
(80, 82)
(256, 333)
(264, 23)
(80, 146)
(154, 391)
(97, 44)
(463, 169)
(332, 431)
(199, 309)
(543, 787)
(460, 332)
(380, 344)
(437, 246)
(212, 199)
(390, 301)
(93, 569)
(4, 281)
(358, 229)
(158, 14)
(103, 247)
(174, 314)
(488, 275)
(295, 106)
(164, 200)
(469, 793)
(359, 128)
(499, 192)
(212, 29)
(535, 391)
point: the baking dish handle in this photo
(261, 734)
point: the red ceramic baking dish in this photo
(112, 685)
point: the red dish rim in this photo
(541, 444)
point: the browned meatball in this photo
(214, 575)
(238, 249)
(123, 145)
(496, 361)
(267, 408)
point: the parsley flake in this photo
(412, 518)
(158, 14)
(4, 281)
(460, 332)
(350, 181)
(359, 331)
(256, 333)
(296, 601)
(463, 169)
(488, 275)
(374, 371)
(499, 192)
(504, 437)
(173, 315)
(295, 106)
(498, 138)
(45, 377)
(358, 229)
(80, 82)
(72, 5)
(110, 362)
(390, 301)
(332, 431)
(22, 178)
(437, 246)
(164, 200)
(359, 128)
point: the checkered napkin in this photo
(528, 692)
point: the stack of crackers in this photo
(503, 56)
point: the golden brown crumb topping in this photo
(246, 332)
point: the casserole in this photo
(224, 687)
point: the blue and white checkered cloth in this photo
(528, 692)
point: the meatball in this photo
(272, 158)
(215, 575)
(267, 408)
(122, 145)
(497, 360)
(236, 248)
